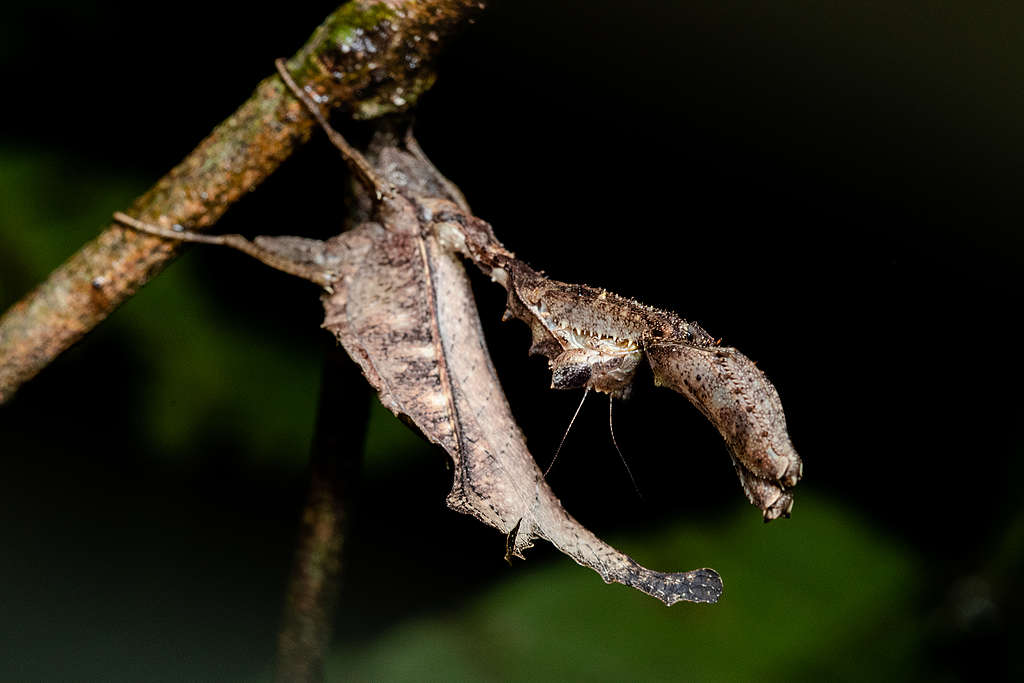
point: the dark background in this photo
(831, 187)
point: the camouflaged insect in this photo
(596, 339)
(398, 300)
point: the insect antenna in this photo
(611, 430)
(571, 422)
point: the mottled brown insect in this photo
(596, 339)
(398, 300)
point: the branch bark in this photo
(368, 58)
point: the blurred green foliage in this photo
(196, 362)
(789, 612)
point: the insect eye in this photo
(570, 376)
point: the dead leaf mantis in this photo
(397, 298)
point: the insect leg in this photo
(360, 166)
(510, 543)
(282, 258)
(455, 194)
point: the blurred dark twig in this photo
(312, 593)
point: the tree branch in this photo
(368, 58)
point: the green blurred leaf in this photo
(821, 582)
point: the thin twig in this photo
(236, 157)
(312, 594)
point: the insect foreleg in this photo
(305, 258)
(360, 166)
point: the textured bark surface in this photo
(368, 58)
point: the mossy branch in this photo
(369, 58)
